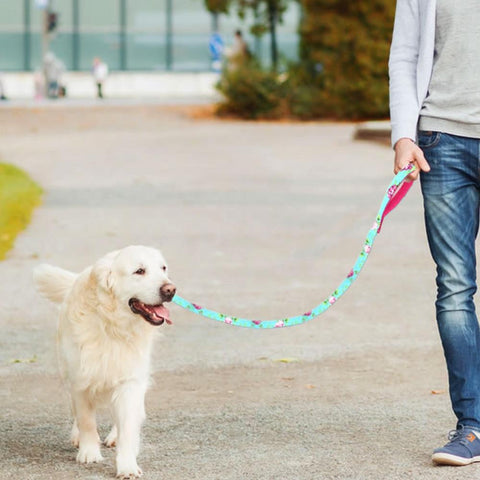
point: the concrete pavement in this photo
(255, 219)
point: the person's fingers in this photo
(422, 162)
(412, 176)
(407, 152)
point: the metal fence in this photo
(126, 34)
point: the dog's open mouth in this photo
(154, 314)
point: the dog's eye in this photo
(164, 268)
(140, 271)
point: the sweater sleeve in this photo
(404, 52)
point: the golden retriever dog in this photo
(108, 318)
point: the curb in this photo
(377, 131)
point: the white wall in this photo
(21, 85)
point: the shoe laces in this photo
(458, 436)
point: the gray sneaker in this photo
(463, 448)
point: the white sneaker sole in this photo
(448, 459)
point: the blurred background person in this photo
(216, 47)
(100, 73)
(2, 89)
(54, 69)
(239, 52)
(38, 85)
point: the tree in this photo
(345, 46)
(268, 14)
(217, 6)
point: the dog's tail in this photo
(52, 282)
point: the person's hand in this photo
(406, 151)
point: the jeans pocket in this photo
(427, 139)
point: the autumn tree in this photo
(345, 45)
(217, 6)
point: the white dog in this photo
(108, 316)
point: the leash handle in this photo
(396, 191)
(397, 197)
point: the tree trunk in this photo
(272, 23)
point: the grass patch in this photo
(19, 195)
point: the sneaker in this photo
(463, 448)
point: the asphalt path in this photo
(256, 219)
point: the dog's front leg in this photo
(129, 408)
(88, 439)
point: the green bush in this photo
(251, 92)
(303, 99)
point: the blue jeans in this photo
(451, 195)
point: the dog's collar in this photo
(396, 191)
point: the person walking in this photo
(2, 89)
(100, 73)
(54, 69)
(435, 117)
(216, 47)
(238, 53)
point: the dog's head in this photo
(136, 278)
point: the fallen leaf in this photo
(286, 360)
(24, 360)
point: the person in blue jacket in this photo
(216, 47)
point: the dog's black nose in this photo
(167, 291)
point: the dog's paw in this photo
(130, 476)
(75, 436)
(128, 472)
(111, 439)
(89, 454)
(75, 441)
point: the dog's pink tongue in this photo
(163, 312)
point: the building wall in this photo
(129, 35)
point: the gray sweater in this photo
(453, 101)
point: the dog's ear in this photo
(102, 270)
(103, 275)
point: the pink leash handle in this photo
(396, 198)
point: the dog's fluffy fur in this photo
(108, 315)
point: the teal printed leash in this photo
(393, 196)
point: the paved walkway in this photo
(260, 219)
